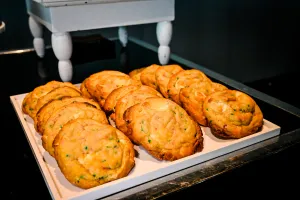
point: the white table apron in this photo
(64, 16)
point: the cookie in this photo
(65, 114)
(89, 153)
(183, 79)
(163, 128)
(163, 75)
(232, 114)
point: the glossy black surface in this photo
(21, 73)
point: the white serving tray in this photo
(147, 168)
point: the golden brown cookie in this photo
(136, 74)
(85, 93)
(163, 75)
(232, 114)
(148, 76)
(114, 96)
(193, 96)
(58, 119)
(48, 109)
(24, 103)
(101, 84)
(89, 153)
(30, 102)
(129, 100)
(183, 79)
(164, 129)
(57, 93)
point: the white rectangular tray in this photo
(147, 168)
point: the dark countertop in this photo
(264, 168)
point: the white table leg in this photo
(123, 35)
(164, 36)
(62, 47)
(36, 30)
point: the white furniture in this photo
(64, 16)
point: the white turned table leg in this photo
(123, 35)
(36, 30)
(164, 36)
(62, 47)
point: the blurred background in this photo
(244, 40)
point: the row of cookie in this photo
(75, 131)
(229, 113)
(158, 124)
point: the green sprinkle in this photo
(149, 140)
(81, 177)
(86, 148)
(67, 155)
(108, 146)
(94, 175)
(142, 129)
(118, 140)
(173, 111)
(102, 177)
(207, 109)
(103, 160)
(31, 109)
(60, 126)
(51, 125)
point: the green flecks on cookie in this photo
(67, 155)
(86, 147)
(102, 177)
(142, 126)
(181, 115)
(149, 141)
